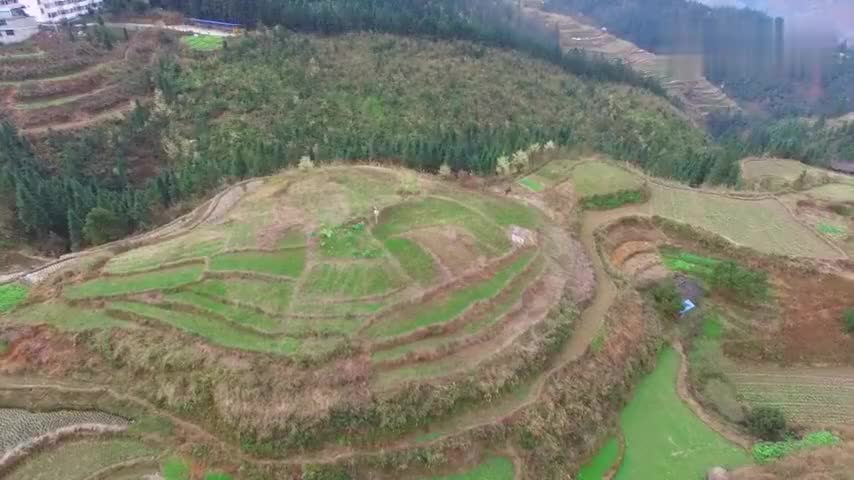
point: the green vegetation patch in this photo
(288, 263)
(531, 184)
(217, 332)
(765, 452)
(175, 468)
(240, 315)
(832, 230)
(603, 462)
(11, 295)
(493, 468)
(272, 297)
(664, 440)
(204, 43)
(80, 459)
(65, 317)
(689, 263)
(350, 280)
(445, 309)
(494, 312)
(137, 283)
(609, 201)
(416, 262)
(503, 211)
(349, 241)
(599, 178)
(432, 211)
(170, 251)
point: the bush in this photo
(305, 163)
(668, 300)
(848, 320)
(11, 295)
(743, 283)
(610, 201)
(103, 226)
(767, 423)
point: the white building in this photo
(55, 11)
(15, 24)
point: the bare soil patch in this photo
(456, 250)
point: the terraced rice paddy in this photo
(808, 396)
(78, 460)
(298, 288)
(20, 426)
(664, 439)
(777, 174)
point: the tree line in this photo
(496, 23)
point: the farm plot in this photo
(80, 459)
(777, 174)
(298, 288)
(835, 192)
(599, 178)
(20, 426)
(808, 396)
(664, 440)
(764, 225)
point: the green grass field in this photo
(272, 297)
(179, 249)
(532, 184)
(664, 440)
(350, 280)
(68, 318)
(11, 295)
(287, 263)
(417, 263)
(599, 178)
(432, 211)
(493, 468)
(764, 225)
(136, 283)
(488, 317)
(687, 262)
(448, 307)
(78, 460)
(204, 43)
(602, 463)
(239, 315)
(217, 332)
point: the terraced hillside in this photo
(64, 85)
(681, 76)
(371, 322)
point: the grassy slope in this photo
(493, 468)
(78, 460)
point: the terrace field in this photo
(438, 323)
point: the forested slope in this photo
(268, 100)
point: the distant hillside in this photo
(681, 75)
(275, 97)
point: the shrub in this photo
(305, 163)
(608, 201)
(743, 283)
(667, 299)
(445, 170)
(767, 423)
(766, 451)
(4, 347)
(848, 320)
(502, 166)
(103, 226)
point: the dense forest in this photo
(745, 51)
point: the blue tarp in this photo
(214, 23)
(687, 306)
